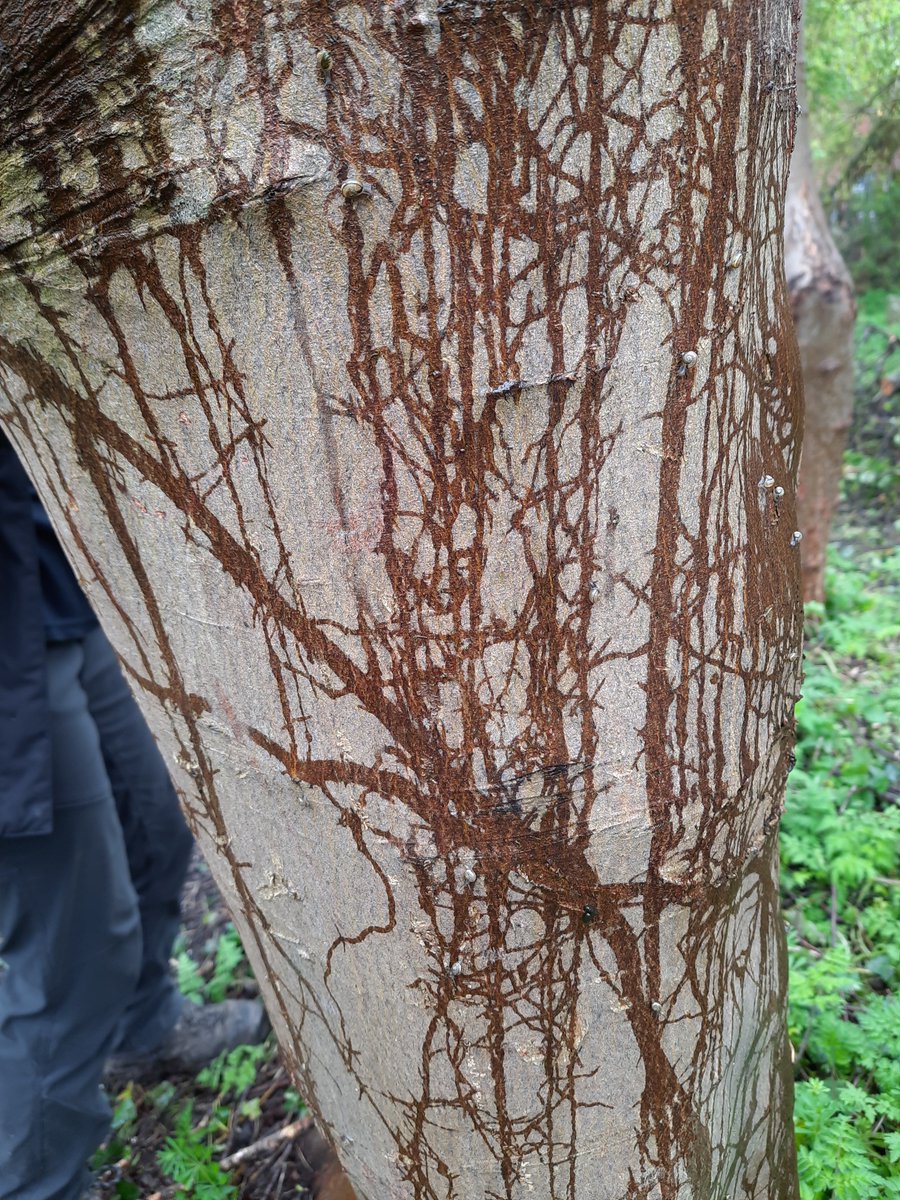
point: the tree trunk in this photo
(824, 311)
(410, 385)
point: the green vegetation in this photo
(190, 1155)
(841, 829)
(225, 969)
(840, 840)
(853, 79)
(846, 84)
(872, 467)
(232, 1075)
(176, 1133)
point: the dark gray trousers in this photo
(88, 914)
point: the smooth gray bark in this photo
(409, 386)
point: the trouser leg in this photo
(157, 841)
(70, 945)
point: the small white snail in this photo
(351, 188)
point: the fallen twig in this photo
(267, 1143)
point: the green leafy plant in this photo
(233, 1073)
(189, 1155)
(843, 1151)
(841, 861)
(229, 959)
(117, 1148)
(234, 1070)
(229, 968)
(188, 975)
(294, 1106)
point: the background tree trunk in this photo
(824, 311)
(409, 386)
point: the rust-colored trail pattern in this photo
(412, 386)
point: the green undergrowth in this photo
(871, 479)
(228, 965)
(170, 1139)
(190, 1156)
(841, 885)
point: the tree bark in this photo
(410, 385)
(824, 312)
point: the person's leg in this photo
(157, 841)
(70, 954)
(159, 1030)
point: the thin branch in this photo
(270, 1142)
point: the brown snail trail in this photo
(400, 378)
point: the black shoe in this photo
(202, 1033)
